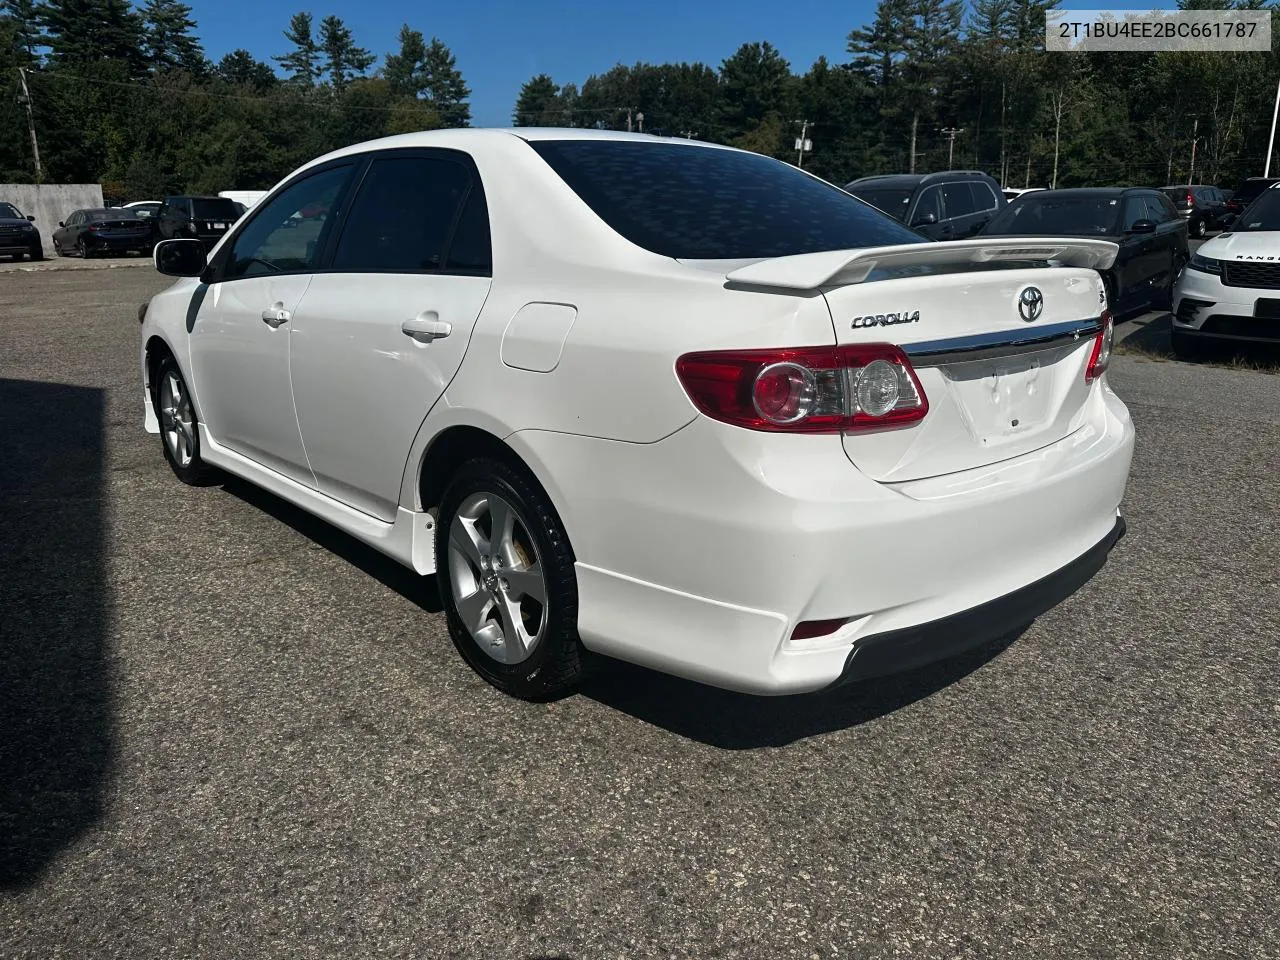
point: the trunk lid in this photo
(1000, 347)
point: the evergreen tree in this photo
(755, 88)
(22, 24)
(87, 31)
(169, 38)
(403, 70)
(240, 68)
(302, 63)
(342, 58)
(444, 87)
(538, 104)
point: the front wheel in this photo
(179, 426)
(505, 569)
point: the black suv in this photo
(1202, 206)
(196, 218)
(17, 235)
(943, 206)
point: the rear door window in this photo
(984, 198)
(709, 203)
(957, 199)
(402, 215)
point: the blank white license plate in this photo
(219, 226)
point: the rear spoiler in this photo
(811, 271)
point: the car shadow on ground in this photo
(417, 589)
(1148, 336)
(55, 694)
(736, 721)
(1148, 333)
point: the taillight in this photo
(1100, 356)
(806, 389)
(93, 228)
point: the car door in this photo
(1169, 240)
(1140, 260)
(64, 235)
(240, 339)
(382, 331)
(961, 212)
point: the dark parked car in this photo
(1151, 235)
(943, 206)
(1249, 190)
(109, 230)
(18, 238)
(203, 218)
(1203, 207)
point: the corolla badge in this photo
(1030, 303)
(886, 319)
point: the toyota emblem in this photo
(1030, 303)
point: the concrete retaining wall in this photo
(49, 203)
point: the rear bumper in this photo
(885, 653)
(700, 554)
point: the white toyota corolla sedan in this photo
(674, 403)
(1229, 291)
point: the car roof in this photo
(1084, 193)
(904, 180)
(1187, 186)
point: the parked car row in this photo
(136, 227)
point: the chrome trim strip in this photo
(1005, 343)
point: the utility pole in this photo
(1191, 174)
(951, 133)
(803, 144)
(31, 123)
(1271, 144)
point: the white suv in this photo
(1229, 291)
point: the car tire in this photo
(1184, 347)
(485, 603)
(179, 426)
(1163, 300)
(35, 253)
(82, 249)
(1199, 228)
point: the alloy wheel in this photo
(496, 578)
(177, 419)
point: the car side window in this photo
(984, 198)
(957, 199)
(1135, 209)
(930, 202)
(402, 215)
(1155, 210)
(284, 236)
(471, 251)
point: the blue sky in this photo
(501, 43)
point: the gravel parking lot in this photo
(228, 731)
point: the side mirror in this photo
(1142, 226)
(924, 219)
(180, 258)
(61, 224)
(31, 218)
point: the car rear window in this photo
(215, 210)
(1073, 216)
(706, 203)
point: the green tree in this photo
(755, 98)
(343, 60)
(240, 68)
(169, 39)
(443, 86)
(87, 31)
(21, 22)
(538, 104)
(302, 63)
(402, 70)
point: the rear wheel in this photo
(179, 426)
(82, 249)
(1199, 228)
(506, 576)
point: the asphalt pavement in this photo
(229, 731)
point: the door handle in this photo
(276, 314)
(426, 327)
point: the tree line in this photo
(932, 84)
(125, 96)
